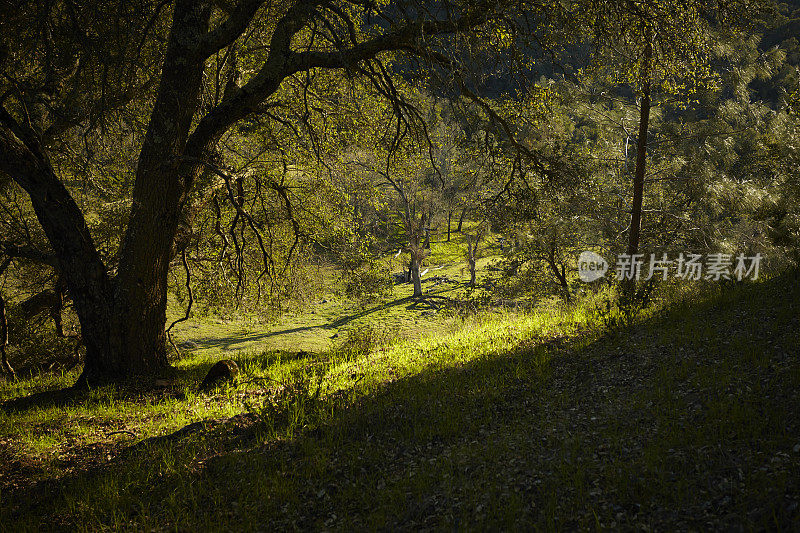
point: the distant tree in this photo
(474, 238)
(648, 46)
(404, 181)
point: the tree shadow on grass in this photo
(150, 390)
(425, 302)
(164, 386)
(415, 303)
(229, 342)
(44, 400)
(339, 322)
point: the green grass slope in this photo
(686, 420)
(316, 326)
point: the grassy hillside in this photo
(688, 419)
(320, 325)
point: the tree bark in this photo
(472, 252)
(641, 159)
(80, 265)
(561, 275)
(163, 179)
(417, 254)
(415, 277)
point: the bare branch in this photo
(13, 250)
(185, 317)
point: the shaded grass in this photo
(685, 420)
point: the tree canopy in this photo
(227, 144)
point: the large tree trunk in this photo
(163, 178)
(122, 325)
(641, 160)
(80, 265)
(169, 163)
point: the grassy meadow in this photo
(393, 415)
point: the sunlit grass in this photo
(486, 412)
